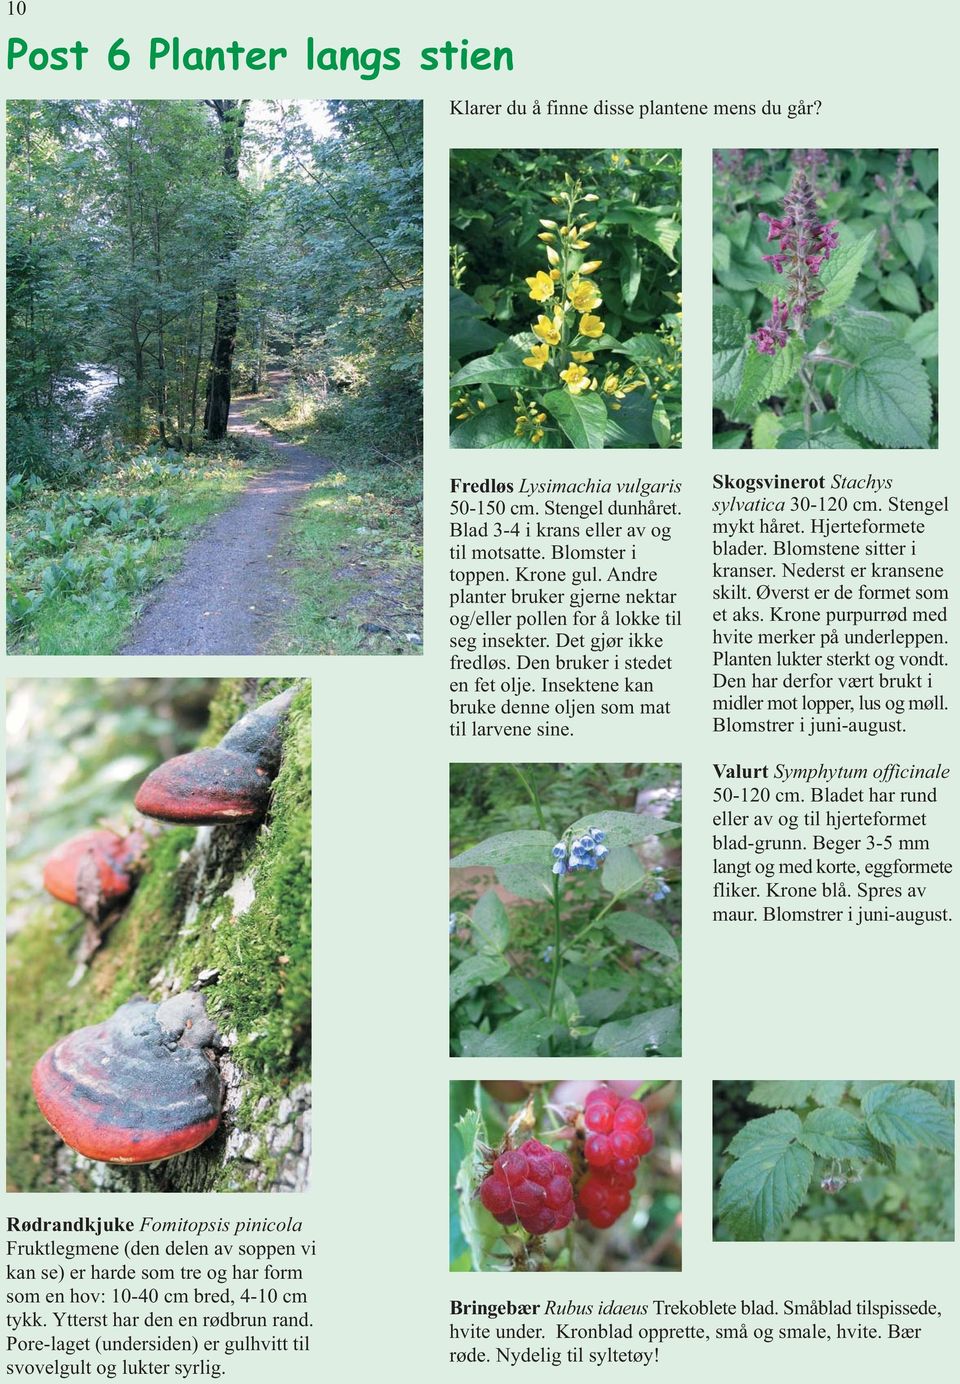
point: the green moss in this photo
(262, 955)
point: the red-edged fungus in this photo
(94, 871)
(137, 1088)
(230, 783)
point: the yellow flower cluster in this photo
(530, 420)
(568, 294)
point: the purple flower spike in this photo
(805, 244)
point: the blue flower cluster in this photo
(662, 889)
(586, 853)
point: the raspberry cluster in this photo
(618, 1137)
(532, 1186)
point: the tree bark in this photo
(231, 115)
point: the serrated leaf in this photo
(774, 1129)
(475, 1220)
(781, 1093)
(730, 329)
(834, 1133)
(765, 1187)
(508, 848)
(622, 871)
(582, 417)
(886, 397)
(839, 275)
(826, 439)
(901, 292)
(764, 376)
(519, 1037)
(923, 334)
(476, 970)
(489, 922)
(729, 441)
(643, 932)
(859, 331)
(829, 1092)
(905, 1115)
(621, 828)
(911, 239)
(654, 1034)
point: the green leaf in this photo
(900, 290)
(825, 439)
(621, 828)
(661, 424)
(662, 231)
(839, 275)
(654, 1034)
(834, 1133)
(527, 881)
(729, 441)
(767, 427)
(764, 376)
(622, 871)
(721, 251)
(489, 922)
(922, 334)
(925, 166)
(468, 331)
(859, 331)
(508, 848)
(778, 1093)
(766, 1185)
(631, 425)
(886, 396)
(519, 1037)
(492, 427)
(730, 329)
(475, 971)
(829, 1092)
(475, 1220)
(905, 1115)
(583, 417)
(597, 1005)
(503, 367)
(912, 241)
(644, 932)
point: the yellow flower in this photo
(536, 435)
(555, 275)
(590, 325)
(611, 384)
(590, 266)
(576, 378)
(550, 225)
(584, 296)
(552, 256)
(588, 226)
(547, 330)
(591, 197)
(541, 287)
(581, 244)
(582, 356)
(538, 357)
(546, 236)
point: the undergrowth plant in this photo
(577, 946)
(825, 321)
(597, 362)
(838, 1160)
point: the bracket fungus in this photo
(94, 871)
(229, 783)
(136, 1088)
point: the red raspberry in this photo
(495, 1195)
(599, 1117)
(631, 1115)
(625, 1143)
(646, 1140)
(624, 1165)
(603, 1220)
(530, 1186)
(599, 1151)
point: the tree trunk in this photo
(231, 115)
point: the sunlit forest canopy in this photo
(163, 255)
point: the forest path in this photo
(231, 588)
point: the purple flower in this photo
(805, 243)
(772, 336)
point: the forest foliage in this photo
(163, 254)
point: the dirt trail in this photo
(230, 589)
